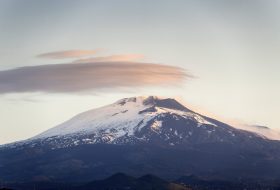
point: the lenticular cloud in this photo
(83, 77)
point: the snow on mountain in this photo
(119, 119)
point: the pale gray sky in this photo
(231, 47)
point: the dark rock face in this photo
(89, 162)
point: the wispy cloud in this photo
(85, 77)
(112, 58)
(68, 54)
(270, 133)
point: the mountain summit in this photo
(115, 120)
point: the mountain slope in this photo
(121, 181)
(137, 136)
(124, 117)
(141, 120)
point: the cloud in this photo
(262, 130)
(68, 54)
(112, 58)
(85, 77)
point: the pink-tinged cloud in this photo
(68, 54)
(85, 77)
(112, 58)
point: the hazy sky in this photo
(218, 57)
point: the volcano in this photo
(138, 136)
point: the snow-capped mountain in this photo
(137, 136)
(140, 120)
(125, 117)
